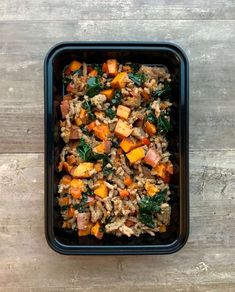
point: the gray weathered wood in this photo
(206, 263)
(210, 46)
(115, 10)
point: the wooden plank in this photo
(212, 61)
(115, 10)
(206, 263)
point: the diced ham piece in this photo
(67, 97)
(107, 146)
(64, 107)
(83, 220)
(152, 157)
(75, 133)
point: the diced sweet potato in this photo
(71, 159)
(93, 73)
(123, 112)
(86, 231)
(122, 129)
(75, 65)
(65, 180)
(109, 93)
(76, 193)
(71, 211)
(152, 157)
(83, 170)
(91, 126)
(159, 170)
(78, 122)
(101, 190)
(98, 167)
(169, 167)
(151, 189)
(124, 193)
(105, 68)
(127, 181)
(63, 201)
(145, 141)
(119, 81)
(112, 67)
(64, 107)
(102, 132)
(136, 154)
(128, 144)
(83, 116)
(103, 147)
(162, 228)
(95, 230)
(77, 183)
(150, 128)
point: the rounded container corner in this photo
(52, 51)
(179, 51)
(53, 243)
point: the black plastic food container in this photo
(174, 59)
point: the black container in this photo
(174, 59)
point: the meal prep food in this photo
(115, 165)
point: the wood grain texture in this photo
(206, 263)
(210, 46)
(115, 10)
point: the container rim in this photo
(118, 249)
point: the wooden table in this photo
(206, 30)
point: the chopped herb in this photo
(93, 86)
(165, 92)
(98, 68)
(66, 77)
(116, 100)
(138, 79)
(115, 144)
(147, 219)
(81, 206)
(64, 208)
(134, 67)
(107, 170)
(88, 191)
(149, 206)
(102, 229)
(79, 72)
(85, 130)
(86, 153)
(110, 113)
(88, 107)
(161, 122)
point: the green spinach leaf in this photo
(87, 154)
(116, 100)
(110, 113)
(163, 93)
(88, 107)
(163, 124)
(138, 79)
(93, 86)
(149, 206)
